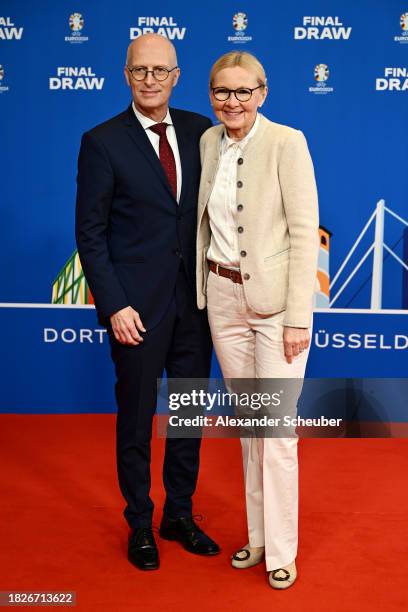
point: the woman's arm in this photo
(299, 193)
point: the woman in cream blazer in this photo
(257, 249)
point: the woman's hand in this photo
(295, 341)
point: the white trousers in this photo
(250, 345)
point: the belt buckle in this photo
(217, 266)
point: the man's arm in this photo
(95, 187)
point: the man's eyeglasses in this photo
(139, 73)
(242, 94)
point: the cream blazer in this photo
(278, 220)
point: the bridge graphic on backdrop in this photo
(331, 290)
(70, 286)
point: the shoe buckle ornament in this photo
(243, 550)
(281, 578)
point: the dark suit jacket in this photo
(131, 233)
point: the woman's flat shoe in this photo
(247, 557)
(283, 577)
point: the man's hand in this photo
(295, 341)
(126, 325)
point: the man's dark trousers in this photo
(181, 344)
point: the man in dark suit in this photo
(138, 179)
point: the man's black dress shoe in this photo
(142, 549)
(185, 531)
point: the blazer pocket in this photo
(277, 256)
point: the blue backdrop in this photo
(337, 70)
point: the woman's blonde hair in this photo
(239, 58)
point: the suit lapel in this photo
(140, 138)
(184, 148)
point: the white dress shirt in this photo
(146, 123)
(222, 205)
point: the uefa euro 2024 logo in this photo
(240, 22)
(321, 76)
(3, 88)
(76, 25)
(404, 27)
(76, 22)
(321, 73)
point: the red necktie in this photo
(166, 156)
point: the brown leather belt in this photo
(233, 275)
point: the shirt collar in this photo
(146, 122)
(228, 142)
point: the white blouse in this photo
(222, 205)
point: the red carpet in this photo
(62, 526)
